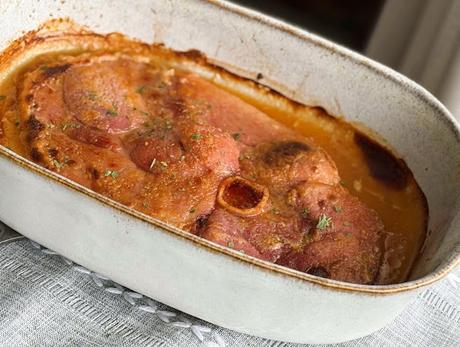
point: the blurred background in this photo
(419, 38)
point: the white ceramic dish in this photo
(204, 279)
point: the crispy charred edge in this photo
(52, 30)
(199, 224)
(36, 155)
(34, 127)
(258, 191)
(318, 271)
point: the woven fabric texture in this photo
(46, 300)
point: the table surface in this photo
(47, 300)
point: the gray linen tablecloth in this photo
(46, 300)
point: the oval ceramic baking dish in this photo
(204, 279)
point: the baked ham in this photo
(176, 147)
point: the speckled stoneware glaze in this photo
(217, 284)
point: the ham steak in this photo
(176, 147)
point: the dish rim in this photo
(441, 114)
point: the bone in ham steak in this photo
(176, 147)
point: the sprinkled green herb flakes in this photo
(324, 222)
(338, 209)
(192, 210)
(140, 90)
(2, 97)
(196, 136)
(111, 173)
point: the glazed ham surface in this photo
(176, 147)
